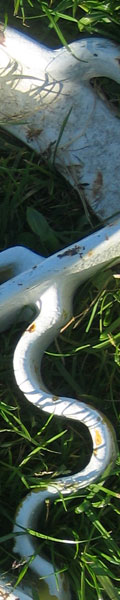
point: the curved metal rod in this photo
(48, 285)
(51, 285)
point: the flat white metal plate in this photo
(46, 96)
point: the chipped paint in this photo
(5, 595)
(55, 398)
(90, 252)
(32, 327)
(72, 251)
(98, 437)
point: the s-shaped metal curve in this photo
(50, 285)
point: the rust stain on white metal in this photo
(98, 437)
(90, 252)
(32, 328)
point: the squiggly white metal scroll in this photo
(49, 285)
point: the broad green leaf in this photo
(40, 226)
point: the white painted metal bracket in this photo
(48, 286)
(42, 89)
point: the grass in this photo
(34, 204)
